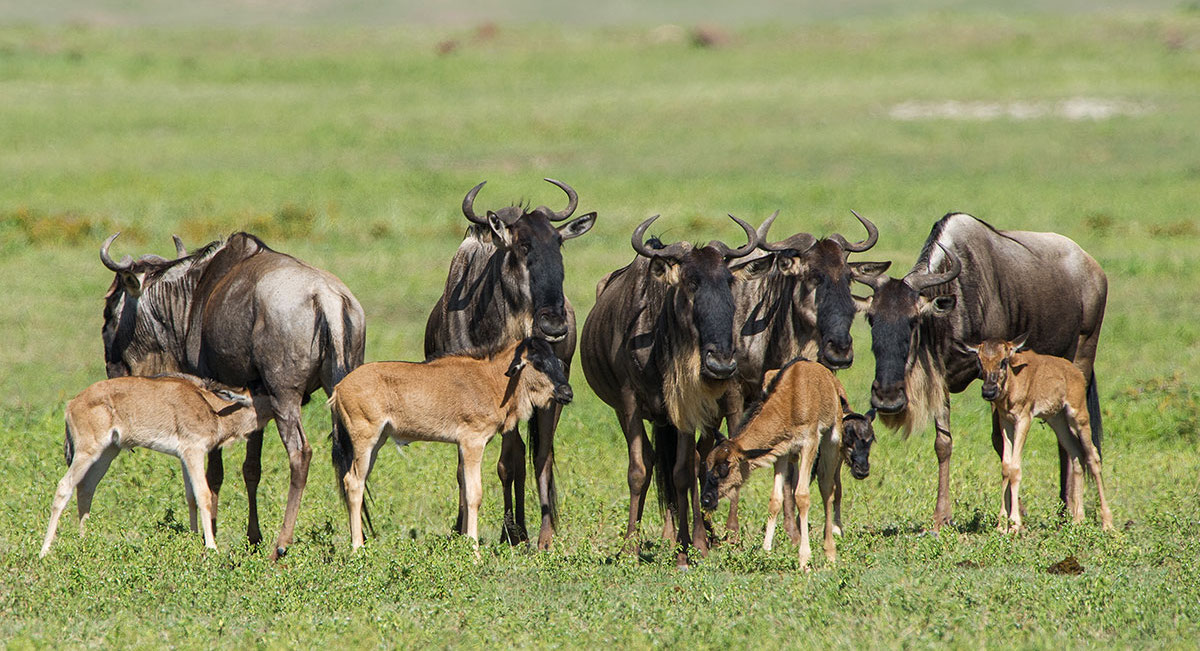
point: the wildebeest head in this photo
(857, 438)
(702, 300)
(995, 364)
(821, 298)
(123, 321)
(549, 383)
(532, 245)
(725, 469)
(894, 312)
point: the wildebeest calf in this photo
(801, 414)
(1022, 385)
(181, 415)
(458, 399)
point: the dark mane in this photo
(475, 352)
(935, 234)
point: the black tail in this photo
(341, 341)
(535, 445)
(1093, 407)
(666, 447)
(341, 453)
(68, 444)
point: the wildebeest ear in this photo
(755, 268)
(755, 453)
(861, 303)
(790, 265)
(577, 226)
(499, 228)
(868, 269)
(132, 282)
(940, 306)
(666, 270)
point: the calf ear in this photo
(666, 270)
(222, 399)
(577, 226)
(515, 367)
(768, 376)
(755, 453)
(1019, 342)
(500, 229)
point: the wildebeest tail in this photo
(535, 446)
(342, 455)
(340, 337)
(1093, 407)
(666, 446)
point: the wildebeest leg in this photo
(827, 471)
(87, 487)
(641, 467)
(700, 529)
(511, 469)
(193, 468)
(542, 427)
(684, 474)
(287, 418)
(215, 477)
(75, 474)
(807, 455)
(251, 473)
(1021, 432)
(460, 525)
(942, 445)
(776, 502)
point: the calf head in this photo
(725, 469)
(702, 296)
(541, 371)
(857, 438)
(532, 260)
(995, 365)
(894, 312)
(821, 295)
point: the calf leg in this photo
(1021, 432)
(791, 523)
(216, 477)
(193, 469)
(1091, 456)
(1006, 453)
(87, 487)
(79, 467)
(190, 496)
(807, 455)
(355, 482)
(511, 469)
(827, 471)
(776, 503)
(251, 473)
(837, 500)
(472, 456)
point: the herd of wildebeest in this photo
(685, 336)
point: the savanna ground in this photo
(352, 146)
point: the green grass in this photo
(352, 147)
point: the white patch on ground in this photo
(1075, 108)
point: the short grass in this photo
(352, 147)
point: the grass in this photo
(351, 147)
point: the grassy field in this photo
(351, 147)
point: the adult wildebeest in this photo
(658, 345)
(794, 300)
(505, 284)
(240, 313)
(972, 282)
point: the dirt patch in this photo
(1075, 108)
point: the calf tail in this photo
(666, 446)
(1093, 407)
(68, 442)
(342, 453)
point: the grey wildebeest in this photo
(506, 283)
(795, 300)
(240, 313)
(800, 416)
(1022, 385)
(972, 282)
(462, 399)
(658, 346)
(181, 415)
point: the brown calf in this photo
(457, 399)
(1022, 385)
(800, 415)
(181, 415)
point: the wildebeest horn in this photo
(126, 261)
(639, 245)
(751, 241)
(858, 247)
(572, 201)
(921, 280)
(468, 206)
(180, 249)
(799, 242)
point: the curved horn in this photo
(126, 261)
(572, 201)
(858, 247)
(468, 206)
(766, 226)
(180, 249)
(751, 241)
(922, 280)
(800, 241)
(673, 251)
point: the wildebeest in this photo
(181, 415)
(460, 399)
(1023, 385)
(658, 345)
(795, 300)
(240, 313)
(972, 282)
(505, 284)
(801, 414)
